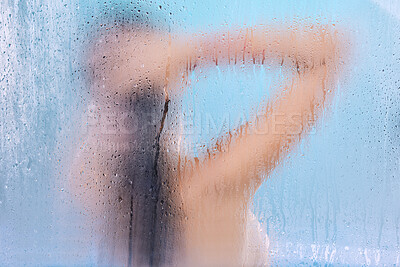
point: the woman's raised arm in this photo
(121, 59)
(288, 117)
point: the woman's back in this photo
(125, 187)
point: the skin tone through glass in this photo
(215, 192)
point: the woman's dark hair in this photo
(124, 13)
(101, 18)
(139, 207)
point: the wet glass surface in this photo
(155, 133)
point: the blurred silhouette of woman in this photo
(154, 206)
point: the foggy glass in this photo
(99, 155)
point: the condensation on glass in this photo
(151, 133)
